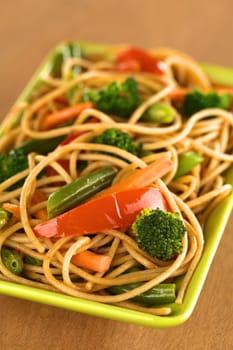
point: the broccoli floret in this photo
(120, 139)
(159, 233)
(11, 164)
(197, 100)
(116, 98)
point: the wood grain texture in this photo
(28, 31)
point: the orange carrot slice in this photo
(64, 115)
(92, 261)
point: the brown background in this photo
(28, 30)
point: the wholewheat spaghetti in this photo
(194, 195)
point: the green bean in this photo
(95, 51)
(70, 195)
(12, 260)
(71, 93)
(68, 50)
(163, 293)
(42, 146)
(28, 259)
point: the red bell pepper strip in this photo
(65, 163)
(114, 211)
(138, 60)
(70, 138)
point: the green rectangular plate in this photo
(213, 232)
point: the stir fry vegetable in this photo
(120, 139)
(79, 190)
(92, 261)
(12, 260)
(197, 100)
(64, 115)
(115, 210)
(159, 233)
(11, 164)
(4, 217)
(186, 162)
(159, 113)
(116, 98)
(42, 146)
(161, 294)
(111, 193)
(137, 60)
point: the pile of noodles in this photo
(193, 196)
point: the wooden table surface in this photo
(28, 31)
